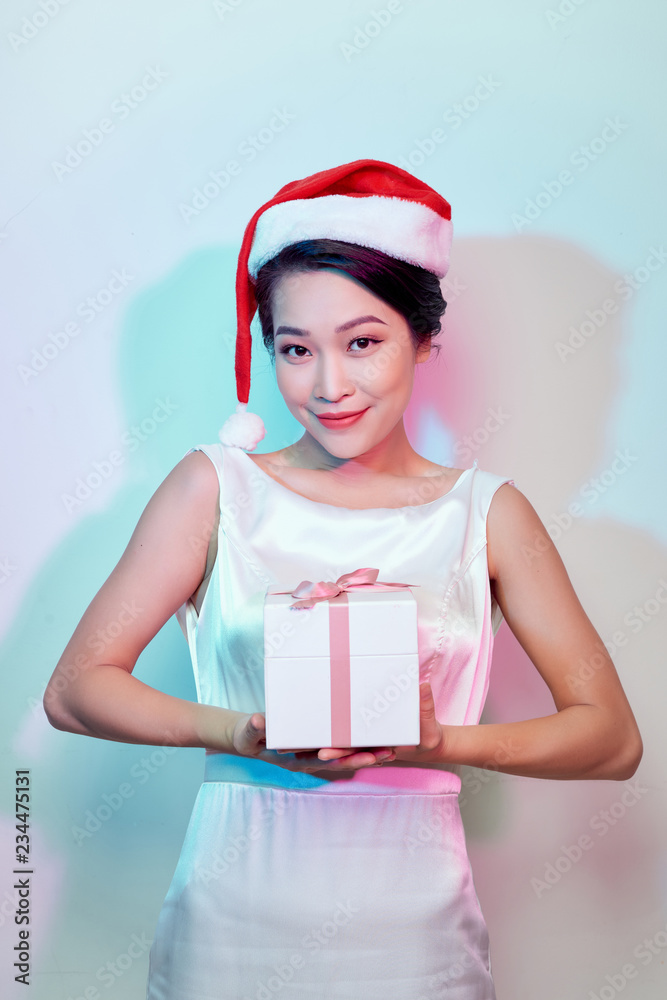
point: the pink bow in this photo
(325, 590)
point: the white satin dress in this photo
(293, 884)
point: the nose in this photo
(331, 380)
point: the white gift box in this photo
(344, 673)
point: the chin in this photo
(348, 449)
(343, 444)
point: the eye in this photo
(368, 340)
(365, 340)
(288, 347)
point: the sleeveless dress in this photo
(294, 884)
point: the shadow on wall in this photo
(107, 856)
(528, 374)
(500, 393)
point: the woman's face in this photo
(340, 349)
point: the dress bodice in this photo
(268, 535)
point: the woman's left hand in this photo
(432, 735)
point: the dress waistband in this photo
(397, 778)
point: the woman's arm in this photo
(92, 690)
(594, 733)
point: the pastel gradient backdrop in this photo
(487, 102)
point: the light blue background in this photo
(168, 336)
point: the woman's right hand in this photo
(250, 741)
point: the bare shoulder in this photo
(194, 481)
(196, 474)
(512, 525)
(185, 504)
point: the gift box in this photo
(341, 664)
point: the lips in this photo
(338, 423)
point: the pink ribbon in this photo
(326, 590)
(339, 637)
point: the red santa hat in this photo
(367, 202)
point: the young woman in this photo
(320, 873)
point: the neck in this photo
(393, 455)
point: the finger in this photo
(365, 759)
(425, 692)
(426, 702)
(332, 753)
(348, 762)
(256, 730)
(429, 726)
(348, 759)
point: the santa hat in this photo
(367, 202)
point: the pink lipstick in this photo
(334, 422)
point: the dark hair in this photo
(411, 290)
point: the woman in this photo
(318, 872)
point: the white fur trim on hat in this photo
(242, 429)
(403, 229)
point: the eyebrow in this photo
(294, 331)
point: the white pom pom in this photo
(242, 430)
